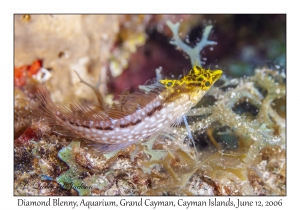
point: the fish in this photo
(138, 116)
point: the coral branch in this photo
(193, 53)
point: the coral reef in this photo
(239, 129)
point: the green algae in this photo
(71, 178)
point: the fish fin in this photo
(189, 131)
(78, 109)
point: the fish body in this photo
(138, 116)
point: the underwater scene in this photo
(149, 105)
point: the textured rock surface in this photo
(66, 43)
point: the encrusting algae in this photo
(144, 144)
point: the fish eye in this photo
(207, 83)
(169, 84)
